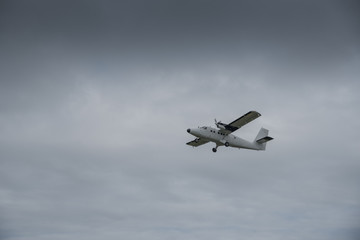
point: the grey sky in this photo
(96, 97)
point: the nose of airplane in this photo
(188, 130)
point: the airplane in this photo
(223, 135)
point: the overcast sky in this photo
(96, 97)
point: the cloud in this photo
(96, 99)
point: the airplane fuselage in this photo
(220, 138)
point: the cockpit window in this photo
(204, 128)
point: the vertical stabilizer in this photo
(262, 138)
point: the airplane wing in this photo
(197, 142)
(241, 121)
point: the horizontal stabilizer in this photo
(264, 139)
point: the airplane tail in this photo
(262, 138)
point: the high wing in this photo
(238, 123)
(197, 142)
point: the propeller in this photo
(219, 124)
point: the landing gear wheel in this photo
(214, 149)
(226, 144)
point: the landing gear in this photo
(226, 144)
(215, 149)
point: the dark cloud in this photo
(307, 30)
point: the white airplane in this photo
(223, 137)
